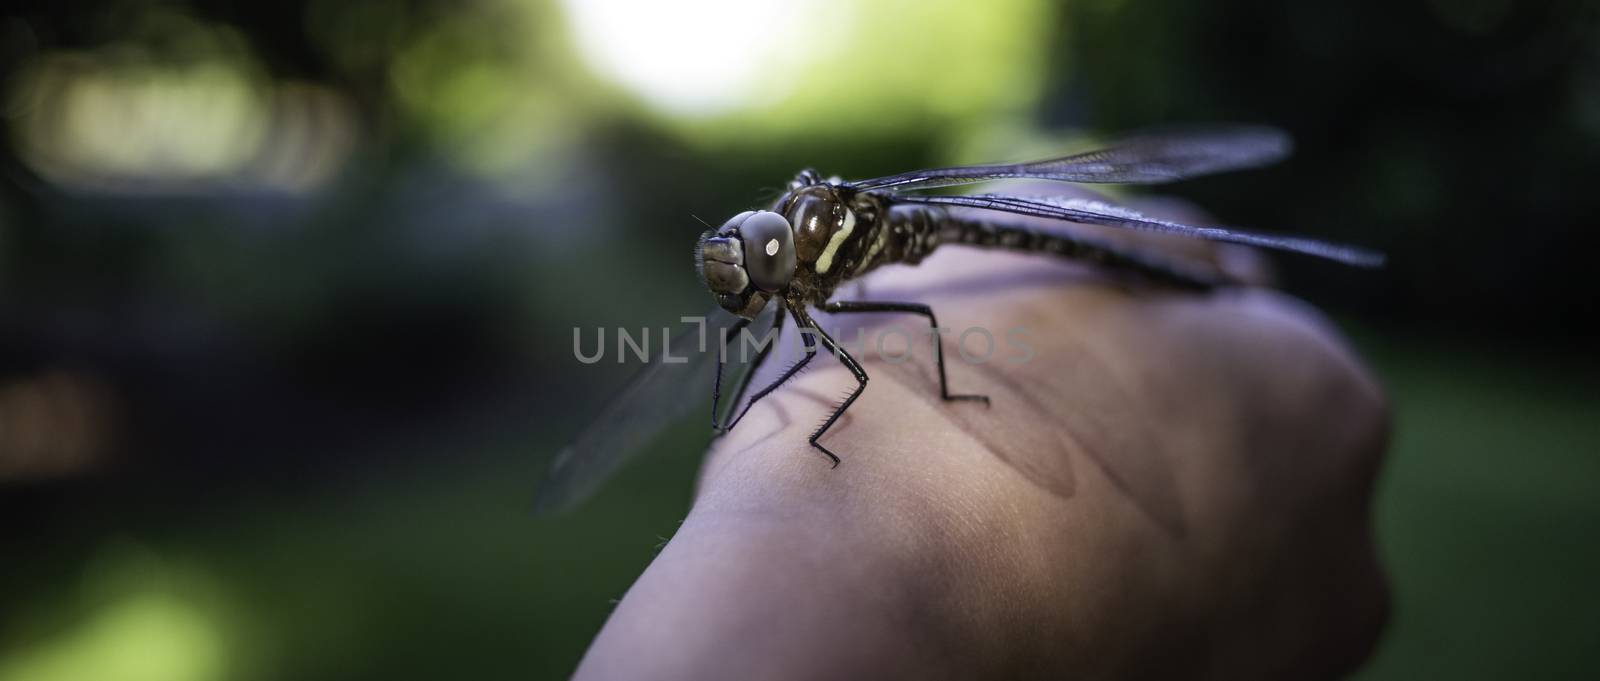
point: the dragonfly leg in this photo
(722, 359)
(861, 385)
(811, 351)
(913, 308)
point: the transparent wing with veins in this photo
(1151, 158)
(658, 397)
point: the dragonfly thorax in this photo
(745, 261)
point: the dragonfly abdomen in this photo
(988, 234)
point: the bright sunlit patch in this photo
(702, 56)
(144, 638)
(725, 70)
(135, 116)
(150, 620)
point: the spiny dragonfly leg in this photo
(861, 384)
(776, 334)
(811, 351)
(913, 308)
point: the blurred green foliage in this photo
(1484, 513)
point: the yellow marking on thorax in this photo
(872, 251)
(826, 259)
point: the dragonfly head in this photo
(747, 260)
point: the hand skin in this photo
(1174, 485)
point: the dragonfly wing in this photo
(1092, 212)
(659, 396)
(1150, 158)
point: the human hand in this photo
(1174, 484)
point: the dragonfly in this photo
(781, 262)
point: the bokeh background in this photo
(287, 291)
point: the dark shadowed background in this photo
(287, 291)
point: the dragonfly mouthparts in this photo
(721, 262)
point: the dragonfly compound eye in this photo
(769, 255)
